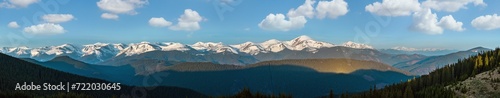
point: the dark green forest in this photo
(13, 71)
(433, 85)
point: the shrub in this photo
(495, 80)
(463, 89)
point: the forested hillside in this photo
(13, 71)
(483, 85)
(434, 84)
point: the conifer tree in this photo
(331, 95)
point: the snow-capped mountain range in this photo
(105, 51)
(423, 51)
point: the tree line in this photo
(433, 85)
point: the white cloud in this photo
(13, 24)
(120, 6)
(159, 22)
(427, 22)
(296, 18)
(394, 7)
(277, 22)
(450, 5)
(57, 18)
(109, 16)
(448, 22)
(45, 29)
(305, 9)
(486, 22)
(17, 3)
(331, 9)
(189, 21)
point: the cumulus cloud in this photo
(109, 16)
(189, 21)
(120, 7)
(448, 22)
(17, 3)
(394, 7)
(451, 5)
(159, 22)
(57, 18)
(13, 24)
(45, 29)
(427, 22)
(486, 22)
(278, 22)
(331, 9)
(305, 9)
(296, 18)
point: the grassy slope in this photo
(483, 85)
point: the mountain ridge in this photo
(14, 70)
(286, 76)
(424, 66)
(105, 51)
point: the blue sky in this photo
(82, 22)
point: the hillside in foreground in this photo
(472, 73)
(483, 85)
(13, 71)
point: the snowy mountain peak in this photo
(269, 42)
(404, 48)
(62, 49)
(22, 51)
(207, 45)
(272, 45)
(138, 48)
(243, 45)
(248, 43)
(67, 46)
(22, 47)
(401, 48)
(171, 46)
(349, 43)
(97, 44)
(357, 45)
(302, 38)
(213, 47)
(248, 47)
(101, 49)
(305, 42)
